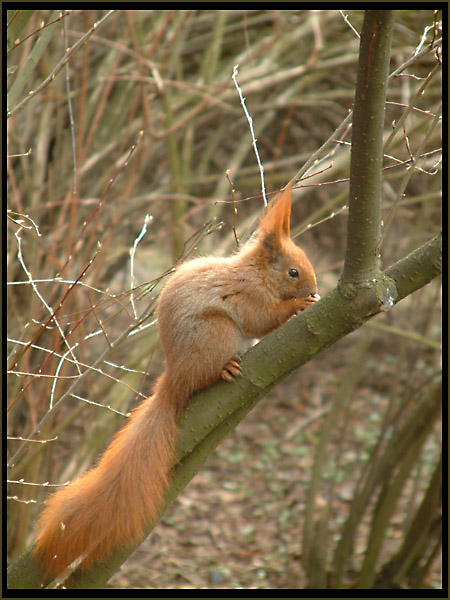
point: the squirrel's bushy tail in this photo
(109, 506)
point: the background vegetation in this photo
(334, 479)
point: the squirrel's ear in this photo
(276, 219)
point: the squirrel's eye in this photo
(293, 273)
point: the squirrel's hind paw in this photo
(232, 369)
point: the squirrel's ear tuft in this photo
(276, 219)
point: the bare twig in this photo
(414, 158)
(227, 173)
(148, 219)
(71, 117)
(60, 65)
(250, 123)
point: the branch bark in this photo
(363, 239)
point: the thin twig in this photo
(102, 199)
(45, 484)
(52, 317)
(21, 223)
(148, 219)
(106, 406)
(71, 118)
(86, 367)
(98, 319)
(41, 298)
(27, 153)
(344, 16)
(409, 174)
(227, 173)
(38, 30)
(336, 134)
(17, 499)
(410, 107)
(330, 216)
(250, 123)
(22, 439)
(68, 55)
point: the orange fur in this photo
(209, 312)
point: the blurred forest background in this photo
(122, 125)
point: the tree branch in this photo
(361, 260)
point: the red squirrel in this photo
(209, 312)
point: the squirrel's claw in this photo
(232, 369)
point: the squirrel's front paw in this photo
(232, 369)
(303, 303)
